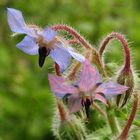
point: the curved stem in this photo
(125, 46)
(111, 118)
(74, 33)
(81, 40)
(126, 129)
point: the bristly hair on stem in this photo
(126, 74)
(125, 132)
(81, 40)
(120, 37)
(74, 33)
(73, 72)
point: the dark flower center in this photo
(86, 103)
(43, 53)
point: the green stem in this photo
(125, 132)
(112, 120)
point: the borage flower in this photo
(42, 42)
(88, 88)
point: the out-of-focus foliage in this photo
(26, 104)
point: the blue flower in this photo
(88, 88)
(42, 42)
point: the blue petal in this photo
(111, 89)
(49, 34)
(28, 45)
(74, 103)
(60, 87)
(16, 20)
(89, 77)
(75, 55)
(61, 56)
(17, 23)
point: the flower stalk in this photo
(115, 35)
(112, 120)
(72, 74)
(74, 33)
(126, 129)
(82, 41)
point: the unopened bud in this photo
(125, 78)
(68, 127)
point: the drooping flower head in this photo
(43, 42)
(88, 88)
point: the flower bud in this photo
(125, 78)
(68, 127)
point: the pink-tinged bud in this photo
(125, 78)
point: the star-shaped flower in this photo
(43, 42)
(88, 88)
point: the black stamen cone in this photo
(43, 53)
(87, 104)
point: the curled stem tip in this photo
(126, 129)
(115, 35)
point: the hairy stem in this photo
(125, 132)
(74, 33)
(81, 40)
(72, 74)
(110, 112)
(124, 42)
(112, 120)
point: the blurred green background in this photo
(26, 104)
